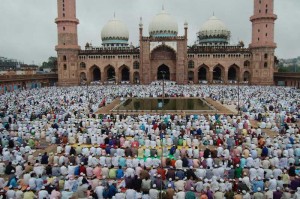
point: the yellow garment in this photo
(141, 152)
(184, 143)
(286, 178)
(259, 151)
(28, 195)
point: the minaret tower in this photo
(263, 45)
(67, 47)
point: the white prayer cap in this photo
(258, 189)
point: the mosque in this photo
(166, 55)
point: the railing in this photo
(218, 49)
(288, 74)
(12, 78)
(104, 51)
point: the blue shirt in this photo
(13, 183)
(242, 162)
(39, 183)
(256, 184)
(122, 162)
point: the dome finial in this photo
(141, 22)
(163, 7)
(213, 13)
(114, 14)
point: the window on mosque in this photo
(64, 58)
(246, 64)
(82, 65)
(266, 56)
(266, 64)
(191, 64)
(65, 66)
(136, 65)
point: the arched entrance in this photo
(232, 74)
(217, 73)
(246, 76)
(191, 76)
(163, 72)
(125, 74)
(136, 77)
(111, 74)
(202, 73)
(96, 74)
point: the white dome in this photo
(214, 26)
(163, 25)
(115, 30)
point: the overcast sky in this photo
(28, 32)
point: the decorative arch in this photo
(163, 72)
(95, 73)
(110, 73)
(218, 73)
(203, 72)
(233, 72)
(124, 71)
(163, 52)
(162, 46)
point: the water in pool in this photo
(166, 104)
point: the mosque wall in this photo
(239, 64)
(164, 49)
(103, 64)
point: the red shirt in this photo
(82, 169)
(162, 172)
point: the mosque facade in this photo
(166, 55)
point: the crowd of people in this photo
(55, 145)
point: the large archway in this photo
(125, 74)
(163, 72)
(218, 73)
(96, 74)
(110, 74)
(232, 74)
(202, 73)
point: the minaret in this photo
(263, 45)
(67, 47)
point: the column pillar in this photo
(102, 76)
(210, 76)
(225, 76)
